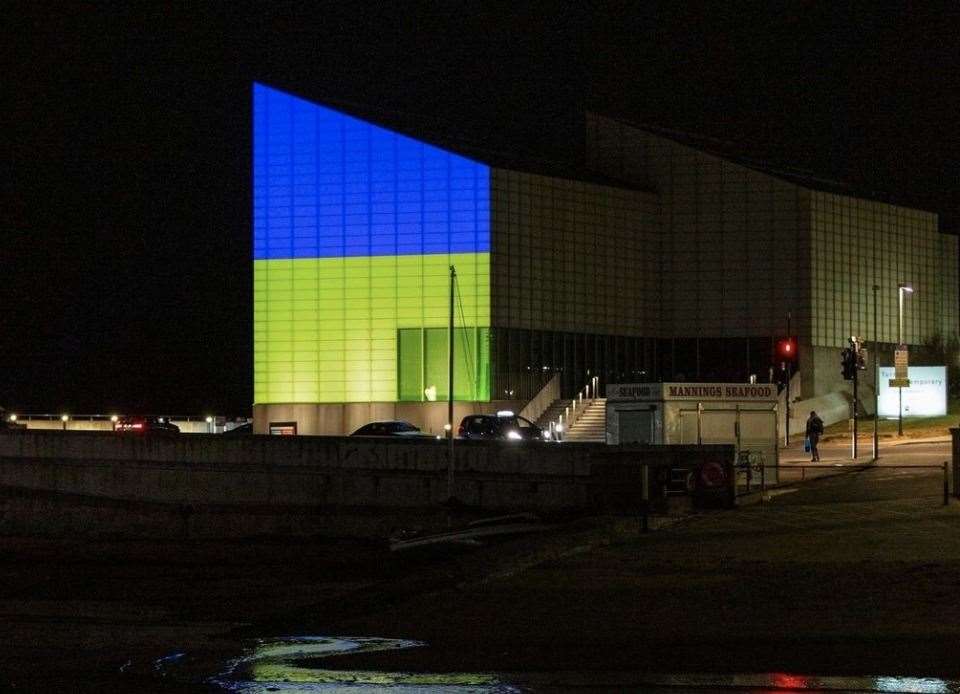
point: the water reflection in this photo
(287, 665)
(296, 665)
(779, 682)
(920, 685)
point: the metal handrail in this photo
(541, 402)
(571, 413)
(841, 468)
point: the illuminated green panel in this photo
(326, 329)
(424, 363)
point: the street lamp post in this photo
(901, 290)
(876, 378)
(449, 425)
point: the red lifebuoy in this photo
(712, 474)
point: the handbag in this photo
(806, 445)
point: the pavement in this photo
(846, 575)
(894, 451)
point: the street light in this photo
(876, 378)
(901, 290)
(64, 418)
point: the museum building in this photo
(653, 259)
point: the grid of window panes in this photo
(572, 256)
(326, 184)
(327, 329)
(424, 361)
(861, 243)
(525, 360)
(734, 252)
(355, 230)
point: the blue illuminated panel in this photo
(327, 185)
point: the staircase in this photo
(591, 424)
(552, 413)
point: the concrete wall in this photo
(336, 419)
(88, 482)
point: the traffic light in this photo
(853, 358)
(787, 349)
(848, 363)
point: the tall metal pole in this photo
(899, 343)
(450, 343)
(786, 419)
(856, 373)
(876, 378)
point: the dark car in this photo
(145, 425)
(393, 428)
(503, 426)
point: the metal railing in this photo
(108, 417)
(749, 472)
(209, 424)
(572, 412)
(541, 402)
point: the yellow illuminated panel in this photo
(327, 329)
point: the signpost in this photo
(901, 365)
(901, 380)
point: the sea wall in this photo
(213, 485)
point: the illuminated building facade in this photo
(355, 230)
(743, 245)
(653, 260)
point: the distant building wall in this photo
(742, 248)
(735, 252)
(574, 282)
(572, 256)
(861, 243)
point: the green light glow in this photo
(326, 329)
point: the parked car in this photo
(145, 425)
(504, 425)
(392, 428)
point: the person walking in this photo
(814, 432)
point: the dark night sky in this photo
(126, 206)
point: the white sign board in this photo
(926, 396)
(702, 392)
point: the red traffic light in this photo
(787, 349)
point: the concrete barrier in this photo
(213, 485)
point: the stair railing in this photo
(572, 412)
(540, 402)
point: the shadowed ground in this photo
(857, 574)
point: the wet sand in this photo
(842, 589)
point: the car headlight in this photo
(514, 435)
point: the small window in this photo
(476, 426)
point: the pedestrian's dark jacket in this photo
(814, 426)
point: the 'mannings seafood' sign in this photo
(692, 391)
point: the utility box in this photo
(742, 414)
